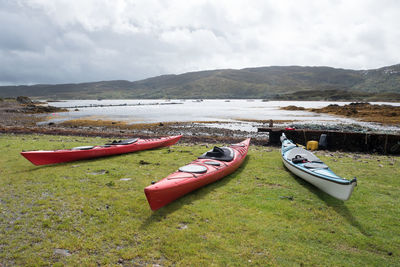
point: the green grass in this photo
(259, 215)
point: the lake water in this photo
(235, 111)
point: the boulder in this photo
(24, 100)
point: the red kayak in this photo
(209, 167)
(41, 157)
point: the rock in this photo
(100, 172)
(182, 226)
(24, 100)
(62, 252)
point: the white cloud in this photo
(55, 41)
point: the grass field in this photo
(94, 212)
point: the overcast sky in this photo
(61, 41)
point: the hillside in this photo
(291, 82)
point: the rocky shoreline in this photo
(20, 117)
(15, 118)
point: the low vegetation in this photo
(94, 212)
(385, 114)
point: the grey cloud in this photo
(61, 41)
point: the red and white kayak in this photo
(42, 157)
(209, 167)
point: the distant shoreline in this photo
(12, 120)
(316, 83)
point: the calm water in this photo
(150, 111)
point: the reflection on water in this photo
(233, 110)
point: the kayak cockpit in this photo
(300, 152)
(219, 153)
(123, 142)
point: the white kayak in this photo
(309, 167)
